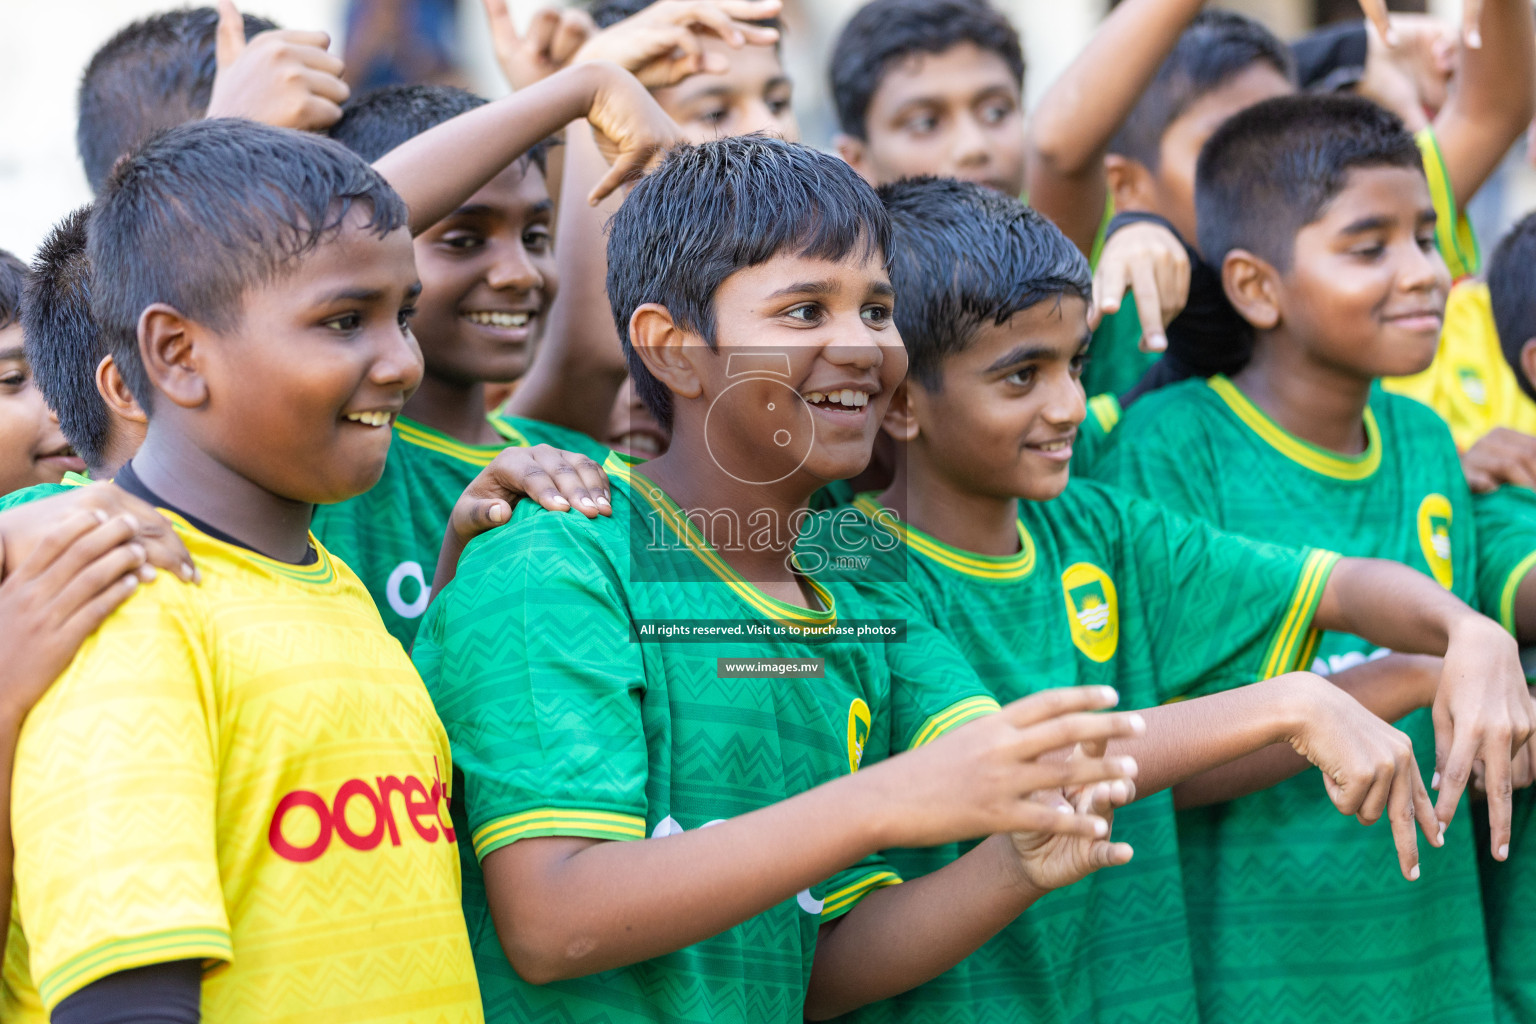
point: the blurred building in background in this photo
(44, 47)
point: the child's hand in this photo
(284, 77)
(981, 778)
(1501, 456)
(1482, 712)
(660, 44)
(554, 35)
(1048, 860)
(25, 528)
(629, 126)
(1149, 259)
(81, 568)
(558, 480)
(1368, 766)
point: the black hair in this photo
(1270, 170)
(1512, 288)
(883, 32)
(209, 210)
(64, 345)
(379, 120)
(610, 12)
(722, 206)
(152, 75)
(965, 256)
(13, 280)
(1217, 46)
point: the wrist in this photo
(1298, 700)
(1011, 874)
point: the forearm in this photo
(1494, 97)
(1525, 610)
(579, 366)
(1389, 688)
(609, 904)
(1070, 129)
(440, 168)
(901, 936)
(1396, 607)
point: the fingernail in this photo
(101, 516)
(130, 583)
(1442, 832)
(1475, 39)
(1413, 875)
(1126, 764)
(1503, 853)
(138, 551)
(146, 573)
(1110, 695)
(1138, 724)
(1100, 827)
(497, 514)
(1157, 342)
(602, 499)
(588, 503)
(186, 572)
(1434, 783)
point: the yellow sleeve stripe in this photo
(1453, 232)
(555, 821)
(123, 954)
(1105, 409)
(844, 899)
(1511, 587)
(1296, 636)
(957, 714)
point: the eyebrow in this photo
(366, 294)
(483, 209)
(1029, 353)
(1382, 223)
(8, 354)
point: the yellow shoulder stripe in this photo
(1296, 637)
(1453, 232)
(433, 441)
(844, 899)
(957, 714)
(986, 567)
(123, 954)
(555, 821)
(1105, 409)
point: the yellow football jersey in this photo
(248, 773)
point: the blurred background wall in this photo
(44, 45)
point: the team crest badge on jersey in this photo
(1472, 385)
(1435, 537)
(858, 732)
(1092, 610)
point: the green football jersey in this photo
(1107, 589)
(38, 492)
(576, 707)
(1116, 362)
(1296, 912)
(391, 535)
(1093, 436)
(1506, 552)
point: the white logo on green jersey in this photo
(393, 590)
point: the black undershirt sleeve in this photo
(158, 994)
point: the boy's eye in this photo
(1079, 361)
(13, 378)
(808, 313)
(405, 317)
(714, 116)
(1427, 242)
(879, 316)
(994, 113)
(345, 323)
(1022, 378)
(921, 124)
(777, 107)
(463, 242)
(1369, 251)
(536, 238)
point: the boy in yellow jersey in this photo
(231, 806)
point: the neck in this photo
(1315, 402)
(191, 479)
(728, 512)
(453, 408)
(971, 522)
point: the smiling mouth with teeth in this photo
(371, 419)
(499, 319)
(846, 398)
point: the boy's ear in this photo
(666, 349)
(1129, 183)
(901, 419)
(167, 346)
(1253, 287)
(855, 153)
(114, 391)
(1527, 366)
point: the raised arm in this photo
(1070, 129)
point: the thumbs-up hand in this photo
(284, 77)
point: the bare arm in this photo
(1525, 610)
(566, 907)
(440, 168)
(1070, 129)
(1493, 97)
(1482, 709)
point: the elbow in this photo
(554, 956)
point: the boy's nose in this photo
(513, 269)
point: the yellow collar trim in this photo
(1303, 453)
(770, 607)
(319, 572)
(421, 436)
(516, 438)
(985, 567)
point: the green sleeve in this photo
(525, 433)
(27, 495)
(528, 658)
(1094, 435)
(1221, 610)
(1506, 548)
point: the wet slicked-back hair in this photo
(1217, 46)
(13, 280)
(722, 206)
(884, 32)
(1512, 287)
(64, 345)
(205, 212)
(379, 120)
(965, 256)
(1270, 170)
(152, 75)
